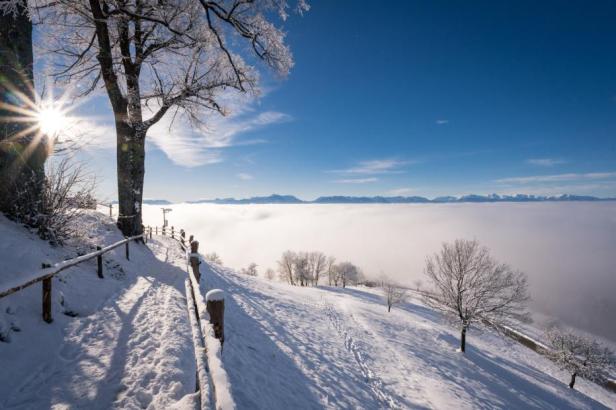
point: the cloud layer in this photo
(567, 249)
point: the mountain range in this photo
(339, 199)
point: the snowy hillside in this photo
(290, 347)
(125, 341)
(119, 342)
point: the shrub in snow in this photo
(469, 285)
(579, 355)
(213, 258)
(251, 270)
(67, 191)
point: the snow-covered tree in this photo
(286, 267)
(470, 285)
(348, 273)
(23, 147)
(393, 293)
(162, 57)
(579, 355)
(332, 274)
(317, 262)
(301, 269)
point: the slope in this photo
(119, 342)
(291, 347)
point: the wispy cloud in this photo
(245, 177)
(377, 166)
(441, 122)
(190, 146)
(545, 162)
(355, 180)
(591, 176)
(400, 191)
(184, 143)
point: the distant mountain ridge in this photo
(339, 199)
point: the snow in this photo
(218, 375)
(292, 347)
(200, 353)
(129, 345)
(132, 343)
(215, 295)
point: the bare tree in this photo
(470, 285)
(331, 271)
(213, 257)
(393, 293)
(303, 275)
(286, 266)
(156, 56)
(317, 265)
(417, 283)
(579, 355)
(270, 274)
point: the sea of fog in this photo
(567, 249)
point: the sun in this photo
(51, 120)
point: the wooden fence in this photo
(207, 323)
(49, 271)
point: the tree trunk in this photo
(388, 308)
(572, 383)
(22, 157)
(463, 340)
(131, 171)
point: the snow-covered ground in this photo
(291, 347)
(129, 345)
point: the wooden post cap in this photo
(215, 295)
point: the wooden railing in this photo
(207, 323)
(49, 271)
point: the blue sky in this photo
(410, 97)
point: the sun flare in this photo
(51, 120)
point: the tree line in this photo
(308, 268)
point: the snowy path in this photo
(292, 347)
(133, 352)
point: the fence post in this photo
(182, 236)
(215, 306)
(99, 263)
(172, 232)
(47, 297)
(127, 251)
(164, 229)
(194, 259)
(156, 230)
(111, 210)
